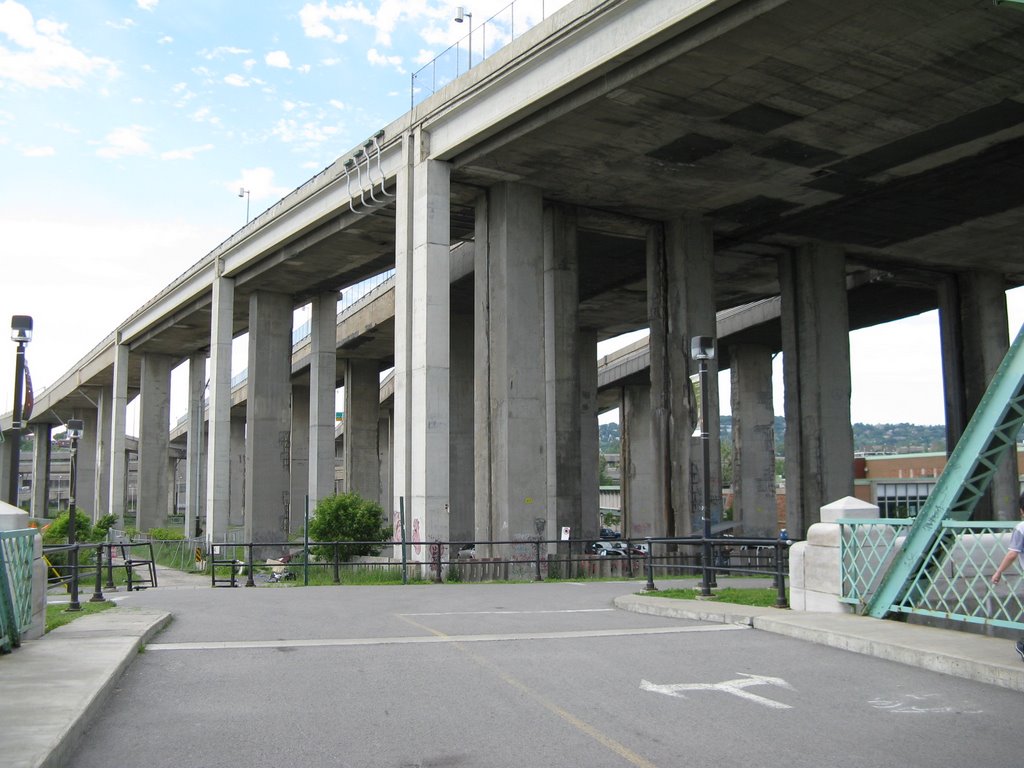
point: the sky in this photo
(129, 127)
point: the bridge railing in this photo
(953, 582)
(477, 44)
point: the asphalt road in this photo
(518, 675)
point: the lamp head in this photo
(702, 348)
(461, 13)
(21, 329)
(75, 428)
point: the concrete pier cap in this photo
(814, 564)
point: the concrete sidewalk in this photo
(51, 688)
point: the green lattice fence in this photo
(16, 549)
(953, 580)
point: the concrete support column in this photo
(973, 330)
(422, 300)
(268, 418)
(299, 458)
(637, 462)
(194, 496)
(118, 427)
(386, 468)
(219, 455)
(154, 441)
(690, 310)
(562, 372)
(235, 497)
(661, 386)
(85, 481)
(514, 434)
(323, 380)
(590, 436)
(39, 507)
(753, 435)
(461, 453)
(362, 412)
(816, 372)
(104, 406)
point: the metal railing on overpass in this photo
(500, 29)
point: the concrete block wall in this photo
(814, 564)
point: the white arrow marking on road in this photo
(735, 687)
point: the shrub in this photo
(103, 525)
(348, 517)
(57, 531)
(166, 534)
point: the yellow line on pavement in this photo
(606, 741)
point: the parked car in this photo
(639, 548)
(607, 548)
(608, 533)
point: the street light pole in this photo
(21, 333)
(75, 429)
(702, 349)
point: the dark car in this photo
(608, 533)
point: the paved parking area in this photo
(517, 675)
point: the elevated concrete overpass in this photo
(625, 164)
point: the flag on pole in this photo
(29, 401)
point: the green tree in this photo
(57, 531)
(348, 517)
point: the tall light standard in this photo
(21, 334)
(702, 349)
(243, 192)
(462, 14)
(75, 430)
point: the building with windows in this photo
(899, 484)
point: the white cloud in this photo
(125, 142)
(122, 24)
(337, 104)
(305, 69)
(41, 56)
(236, 80)
(165, 40)
(378, 59)
(185, 153)
(147, 5)
(222, 51)
(38, 152)
(308, 134)
(278, 59)
(205, 115)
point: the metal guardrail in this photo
(16, 550)
(953, 581)
(233, 564)
(503, 27)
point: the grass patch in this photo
(57, 614)
(738, 596)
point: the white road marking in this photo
(905, 705)
(735, 687)
(503, 613)
(429, 639)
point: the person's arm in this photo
(1007, 562)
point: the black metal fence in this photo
(232, 564)
(66, 566)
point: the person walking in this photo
(1014, 552)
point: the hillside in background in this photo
(867, 438)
